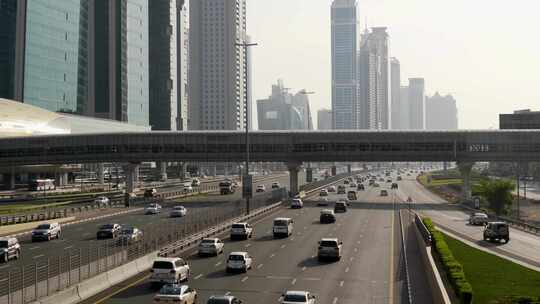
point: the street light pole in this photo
(245, 45)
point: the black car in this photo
(327, 216)
(108, 231)
(360, 187)
(497, 231)
(394, 186)
(340, 207)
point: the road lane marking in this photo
(278, 278)
(259, 266)
(335, 300)
(227, 293)
(355, 249)
(347, 269)
(391, 281)
(351, 259)
(272, 255)
(292, 239)
(244, 279)
(248, 245)
(293, 281)
(38, 256)
(34, 248)
(68, 247)
(283, 246)
(218, 263)
(198, 277)
(341, 283)
(304, 268)
(311, 279)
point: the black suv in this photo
(497, 231)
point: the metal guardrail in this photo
(45, 277)
(521, 225)
(426, 235)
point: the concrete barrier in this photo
(66, 296)
(438, 291)
(91, 287)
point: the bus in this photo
(41, 185)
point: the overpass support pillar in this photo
(9, 181)
(163, 171)
(131, 171)
(101, 173)
(349, 169)
(334, 170)
(294, 168)
(465, 169)
(309, 175)
(60, 179)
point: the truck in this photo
(226, 187)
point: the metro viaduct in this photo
(290, 147)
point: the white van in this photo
(169, 271)
(283, 227)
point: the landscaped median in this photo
(479, 277)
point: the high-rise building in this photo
(441, 112)
(217, 69)
(168, 64)
(119, 61)
(345, 107)
(395, 83)
(324, 119)
(374, 79)
(417, 104)
(405, 108)
(284, 111)
(43, 53)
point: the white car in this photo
(169, 271)
(239, 261)
(153, 209)
(261, 188)
(178, 211)
(297, 297)
(195, 182)
(211, 246)
(176, 293)
(478, 219)
(241, 230)
(188, 187)
(46, 231)
(297, 203)
(102, 200)
(331, 189)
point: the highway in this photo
(523, 246)
(83, 236)
(370, 271)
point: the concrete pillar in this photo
(465, 169)
(9, 181)
(182, 170)
(294, 168)
(131, 171)
(163, 171)
(100, 172)
(334, 170)
(309, 175)
(349, 169)
(445, 167)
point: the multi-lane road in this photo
(82, 236)
(370, 271)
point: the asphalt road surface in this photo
(370, 271)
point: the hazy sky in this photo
(485, 52)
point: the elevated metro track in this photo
(286, 146)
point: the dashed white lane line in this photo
(293, 281)
(2, 267)
(341, 283)
(311, 279)
(283, 246)
(259, 266)
(335, 300)
(86, 234)
(38, 256)
(347, 269)
(34, 248)
(355, 249)
(278, 278)
(227, 293)
(351, 259)
(292, 239)
(68, 247)
(248, 245)
(245, 279)
(304, 268)
(198, 277)
(217, 264)
(272, 255)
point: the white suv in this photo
(169, 270)
(329, 248)
(297, 297)
(239, 261)
(297, 203)
(46, 231)
(9, 249)
(241, 230)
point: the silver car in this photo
(130, 235)
(178, 211)
(211, 246)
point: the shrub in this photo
(454, 269)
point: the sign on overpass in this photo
(275, 146)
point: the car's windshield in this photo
(44, 226)
(238, 226)
(328, 244)
(169, 290)
(162, 265)
(295, 298)
(208, 242)
(128, 231)
(107, 226)
(236, 257)
(281, 223)
(218, 301)
(179, 208)
(4, 244)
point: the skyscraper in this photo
(119, 61)
(345, 107)
(441, 112)
(49, 73)
(395, 83)
(324, 119)
(417, 104)
(374, 79)
(405, 108)
(217, 66)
